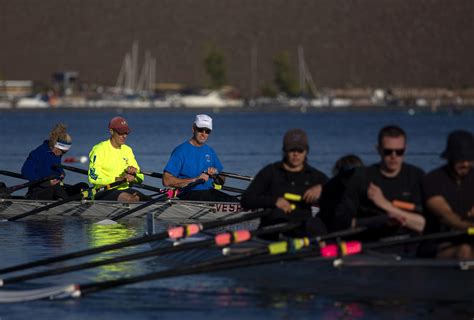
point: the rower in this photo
(364, 196)
(288, 187)
(42, 163)
(112, 160)
(194, 160)
(449, 198)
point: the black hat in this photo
(295, 138)
(460, 146)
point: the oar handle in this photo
(152, 174)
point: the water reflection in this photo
(101, 235)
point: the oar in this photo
(174, 232)
(358, 247)
(138, 185)
(30, 184)
(279, 251)
(152, 174)
(236, 176)
(79, 196)
(227, 188)
(114, 219)
(220, 240)
(12, 174)
(275, 252)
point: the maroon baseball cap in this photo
(120, 125)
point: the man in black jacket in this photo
(288, 187)
(449, 198)
(366, 195)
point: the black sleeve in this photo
(418, 188)
(258, 193)
(341, 199)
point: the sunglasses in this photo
(205, 130)
(121, 134)
(389, 152)
(298, 150)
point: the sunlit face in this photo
(295, 158)
(392, 151)
(118, 139)
(201, 135)
(462, 167)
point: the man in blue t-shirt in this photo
(193, 160)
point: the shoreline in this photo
(451, 109)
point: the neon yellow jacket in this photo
(108, 163)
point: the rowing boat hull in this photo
(362, 277)
(175, 211)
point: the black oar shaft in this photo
(135, 256)
(153, 201)
(128, 243)
(87, 252)
(140, 207)
(427, 237)
(78, 196)
(202, 267)
(138, 185)
(259, 257)
(152, 174)
(12, 174)
(236, 176)
(44, 208)
(30, 184)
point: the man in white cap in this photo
(193, 160)
(112, 160)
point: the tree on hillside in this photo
(285, 80)
(215, 67)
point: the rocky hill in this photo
(347, 43)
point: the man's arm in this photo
(410, 220)
(171, 181)
(440, 207)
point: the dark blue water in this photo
(245, 142)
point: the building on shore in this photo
(347, 44)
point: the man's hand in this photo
(204, 176)
(212, 171)
(131, 170)
(313, 194)
(283, 204)
(54, 182)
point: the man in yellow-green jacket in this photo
(112, 160)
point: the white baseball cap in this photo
(203, 121)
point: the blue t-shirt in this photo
(40, 163)
(188, 161)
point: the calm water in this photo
(245, 142)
